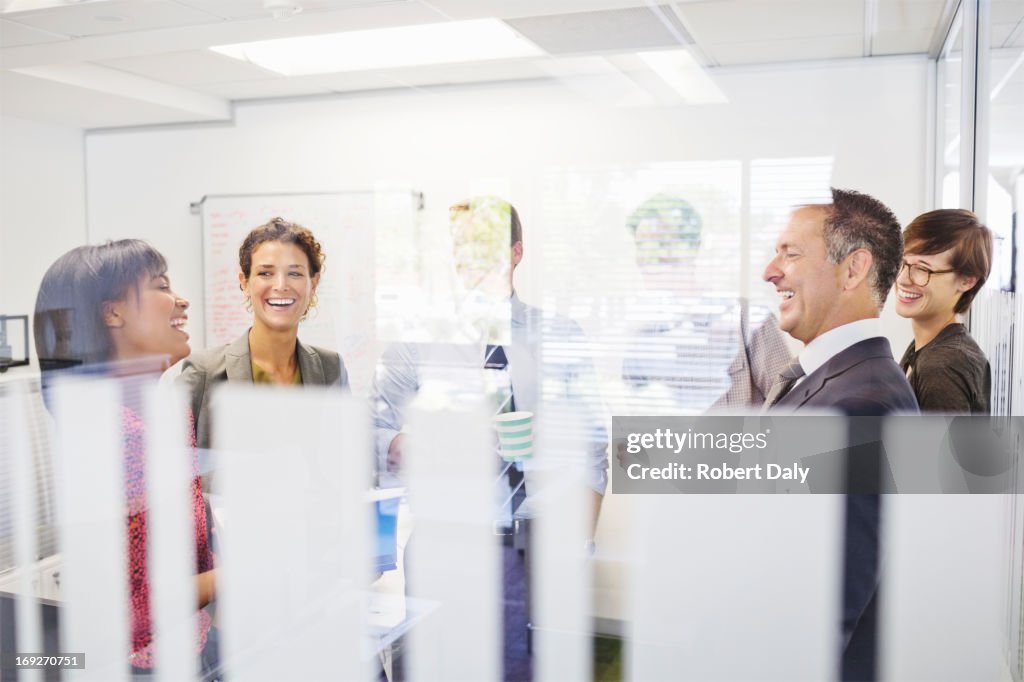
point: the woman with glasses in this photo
(947, 258)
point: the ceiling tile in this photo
(738, 21)
(760, 52)
(13, 34)
(909, 15)
(195, 67)
(253, 9)
(475, 9)
(114, 16)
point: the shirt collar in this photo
(835, 341)
(517, 310)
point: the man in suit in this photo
(546, 362)
(834, 265)
(540, 352)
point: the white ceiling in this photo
(103, 63)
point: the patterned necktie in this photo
(494, 358)
(787, 378)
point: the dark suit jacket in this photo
(861, 381)
(200, 370)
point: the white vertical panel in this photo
(453, 560)
(171, 548)
(942, 600)
(90, 479)
(971, 197)
(561, 570)
(293, 545)
(737, 587)
(982, 98)
(1016, 408)
(343, 460)
(17, 451)
(933, 111)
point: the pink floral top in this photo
(134, 467)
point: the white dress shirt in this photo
(835, 341)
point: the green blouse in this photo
(261, 376)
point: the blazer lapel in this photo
(237, 361)
(806, 389)
(310, 365)
(838, 364)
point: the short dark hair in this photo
(673, 211)
(960, 230)
(69, 325)
(280, 230)
(859, 221)
(487, 206)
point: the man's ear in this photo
(857, 269)
(517, 253)
(113, 314)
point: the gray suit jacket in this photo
(200, 370)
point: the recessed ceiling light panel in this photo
(440, 43)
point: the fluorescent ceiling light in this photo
(683, 74)
(441, 43)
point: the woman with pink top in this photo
(109, 310)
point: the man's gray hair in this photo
(858, 221)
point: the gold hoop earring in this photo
(311, 307)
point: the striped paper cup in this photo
(515, 434)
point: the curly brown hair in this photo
(280, 230)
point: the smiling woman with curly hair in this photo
(280, 264)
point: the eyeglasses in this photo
(920, 275)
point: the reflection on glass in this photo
(948, 117)
(670, 288)
(663, 247)
(1006, 139)
(1005, 194)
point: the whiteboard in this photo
(357, 272)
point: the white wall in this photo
(453, 142)
(42, 206)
